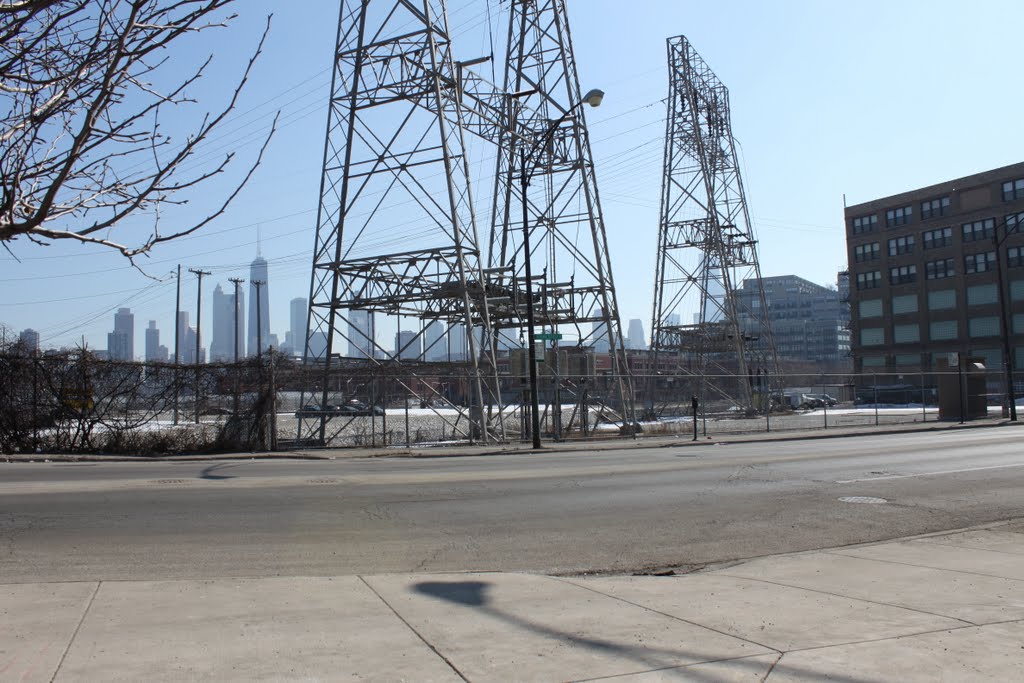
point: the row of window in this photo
(937, 300)
(940, 269)
(941, 237)
(993, 358)
(941, 330)
(930, 208)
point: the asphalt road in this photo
(606, 511)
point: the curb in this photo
(555, 447)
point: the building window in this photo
(941, 299)
(980, 263)
(907, 359)
(1017, 290)
(870, 280)
(872, 336)
(906, 334)
(979, 230)
(901, 245)
(1013, 189)
(906, 303)
(943, 331)
(1018, 323)
(936, 270)
(870, 308)
(983, 327)
(1014, 221)
(943, 237)
(864, 224)
(981, 295)
(900, 216)
(934, 207)
(902, 275)
(1015, 257)
(865, 252)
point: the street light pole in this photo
(530, 332)
(1004, 320)
(593, 98)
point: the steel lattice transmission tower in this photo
(396, 236)
(706, 244)
(573, 283)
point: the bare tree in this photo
(81, 143)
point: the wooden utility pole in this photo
(199, 312)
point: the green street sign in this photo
(548, 336)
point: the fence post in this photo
(273, 401)
(874, 386)
(407, 420)
(924, 409)
(35, 402)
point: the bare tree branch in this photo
(81, 146)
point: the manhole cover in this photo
(169, 481)
(867, 500)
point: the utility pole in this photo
(259, 319)
(236, 281)
(1004, 321)
(177, 346)
(199, 312)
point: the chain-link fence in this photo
(74, 402)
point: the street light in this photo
(593, 98)
(1004, 315)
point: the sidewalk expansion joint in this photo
(922, 566)
(74, 635)
(670, 616)
(679, 668)
(849, 597)
(412, 628)
(965, 546)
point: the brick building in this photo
(923, 273)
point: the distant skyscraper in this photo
(635, 337)
(155, 352)
(258, 271)
(295, 338)
(187, 337)
(222, 346)
(121, 342)
(29, 340)
(457, 342)
(599, 337)
(360, 334)
(407, 345)
(435, 348)
(222, 341)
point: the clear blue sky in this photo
(864, 99)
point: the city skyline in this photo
(791, 154)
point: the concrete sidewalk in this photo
(946, 606)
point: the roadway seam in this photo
(670, 616)
(849, 597)
(74, 635)
(419, 635)
(920, 566)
